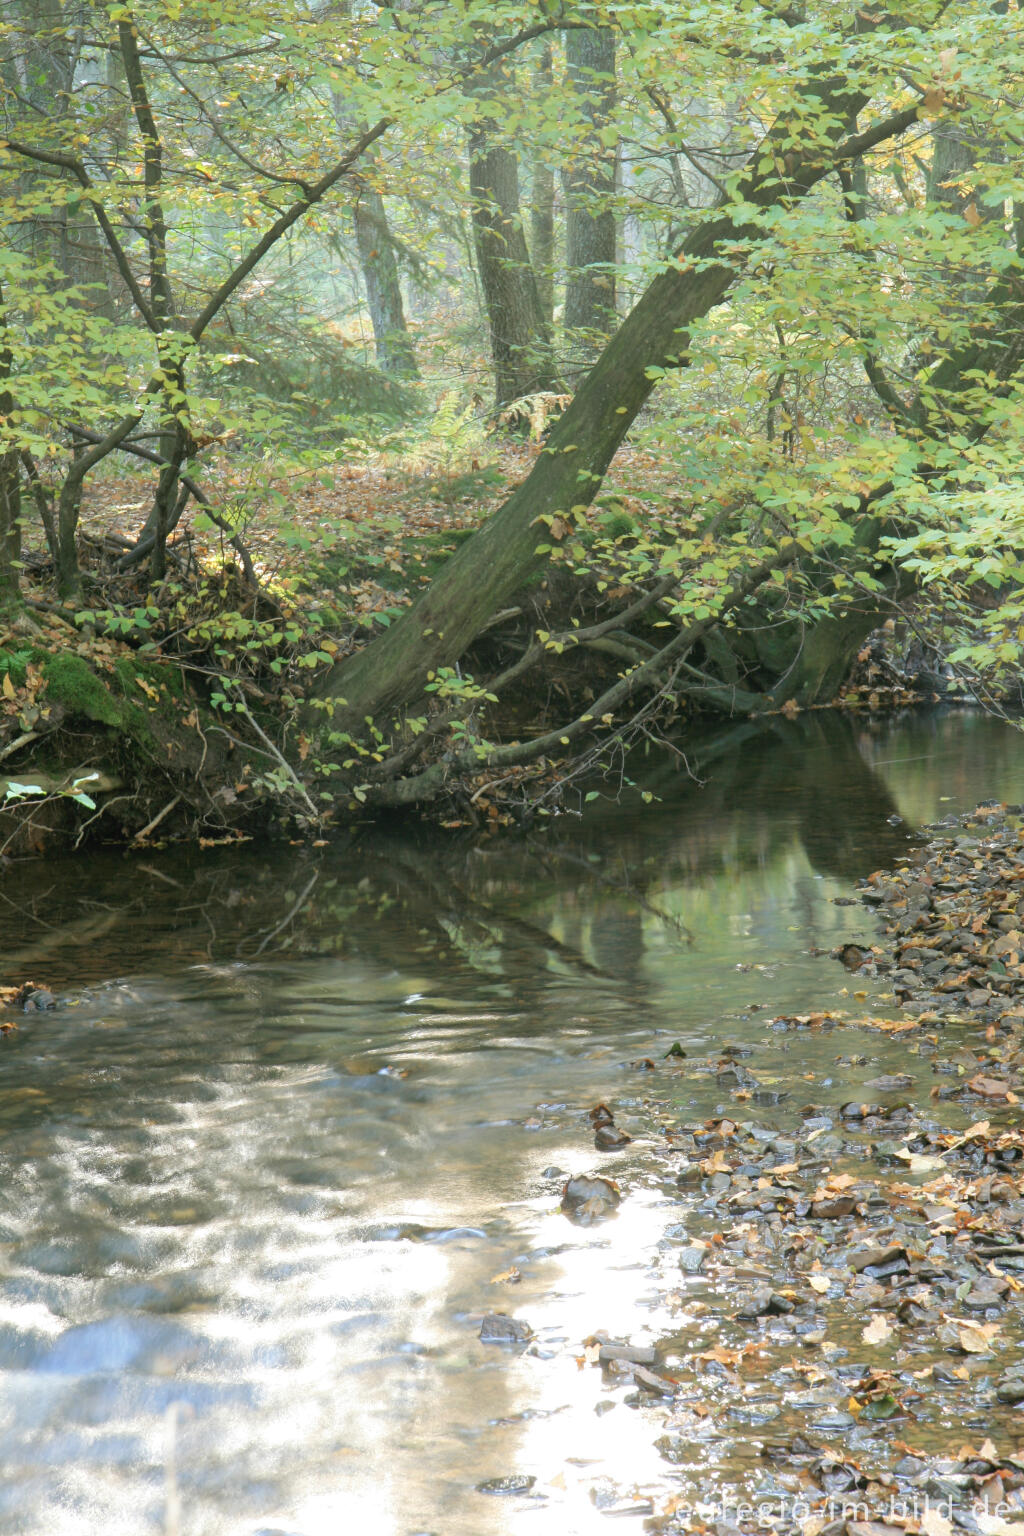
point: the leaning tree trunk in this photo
(590, 184)
(514, 542)
(395, 353)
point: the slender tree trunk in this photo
(542, 211)
(590, 184)
(519, 337)
(520, 349)
(10, 485)
(395, 352)
(175, 433)
(10, 522)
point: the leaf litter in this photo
(850, 1287)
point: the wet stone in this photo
(691, 1258)
(586, 1200)
(1010, 1388)
(651, 1382)
(38, 1000)
(506, 1486)
(634, 1354)
(872, 1259)
(833, 1422)
(754, 1413)
(764, 1303)
(499, 1328)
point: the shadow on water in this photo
(463, 907)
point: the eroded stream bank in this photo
(304, 1121)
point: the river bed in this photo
(304, 1115)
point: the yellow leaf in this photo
(9, 689)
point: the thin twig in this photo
(157, 819)
(282, 761)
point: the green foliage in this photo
(17, 792)
(444, 449)
(449, 684)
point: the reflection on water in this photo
(301, 1126)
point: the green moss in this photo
(73, 683)
(164, 681)
(615, 523)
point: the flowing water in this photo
(304, 1113)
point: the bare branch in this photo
(311, 196)
(431, 781)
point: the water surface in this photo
(307, 1114)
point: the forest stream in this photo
(301, 1119)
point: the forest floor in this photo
(853, 1283)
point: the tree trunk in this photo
(654, 338)
(10, 484)
(590, 184)
(542, 212)
(520, 348)
(10, 525)
(395, 353)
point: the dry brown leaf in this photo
(934, 1524)
(720, 1356)
(921, 1162)
(877, 1331)
(973, 1343)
